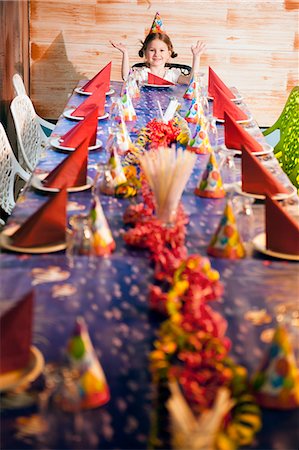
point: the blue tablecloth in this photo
(112, 295)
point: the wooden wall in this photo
(252, 45)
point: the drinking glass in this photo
(80, 238)
(227, 169)
(244, 217)
(212, 131)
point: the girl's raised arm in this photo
(125, 65)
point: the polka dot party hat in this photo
(211, 185)
(226, 242)
(277, 381)
(195, 112)
(157, 25)
(190, 92)
(199, 142)
(93, 387)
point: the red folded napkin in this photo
(103, 76)
(256, 179)
(16, 335)
(235, 136)
(282, 230)
(46, 226)
(214, 80)
(72, 171)
(222, 103)
(96, 99)
(154, 79)
(86, 128)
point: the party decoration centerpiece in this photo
(226, 241)
(195, 112)
(103, 242)
(199, 142)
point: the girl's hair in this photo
(162, 37)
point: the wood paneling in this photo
(251, 45)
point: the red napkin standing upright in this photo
(46, 226)
(222, 103)
(97, 99)
(154, 79)
(214, 80)
(282, 230)
(86, 128)
(16, 335)
(103, 76)
(72, 171)
(235, 136)
(256, 179)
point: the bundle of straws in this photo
(167, 171)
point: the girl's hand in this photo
(198, 49)
(121, 47)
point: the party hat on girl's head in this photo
(277, 381)
(190, 92)
(211, 183)
(157, 25)
(103, 242)
(195, 112)
(199, 142)
(226, 242)
(82, 357)
(127, 106)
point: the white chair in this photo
(31, 139)
(20, 89)
(9, 169)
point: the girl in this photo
(157, 50)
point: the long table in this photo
(112, 295)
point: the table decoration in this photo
(223, 104)
(167, 171)
(214, 80)
(236, 137)
(199, 142)
(276, 382)
(226, 241)
(87, 127)
(210, 184)
(96, 99)
(102, 77)
(190, 92)
(112, 174)
(154, 80)
(195, 112)
(257, 179)
(128, 109)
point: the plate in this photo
(237, 99)
(67, 113)
(5, 243)
(11, 380)
(259, 243)
(79, 91)
(158, 85)
(267, 149)
(37, 183)
(249, 119)
(55, 143)
(292, 190)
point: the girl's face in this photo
(157, 53)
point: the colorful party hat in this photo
(129, 113)
(226, 242)
(72, 171)
(114, 174)
(199, 142)
(103, 242)
(277, 381)
(102, 77)
(157, 25)
(85, 128)
(195, 112)
(211, 183)
(82, 357)
(190, 92)
(16, 335)
(132, 86)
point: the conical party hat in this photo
(122, 137)
(127, 106)
(103, 242)
(114, 174)
(82, 358)
(199, 142)
(157, 25)
(211, 183)
(190, 92)
(195, 112)
(226, 242)
(277, 381)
